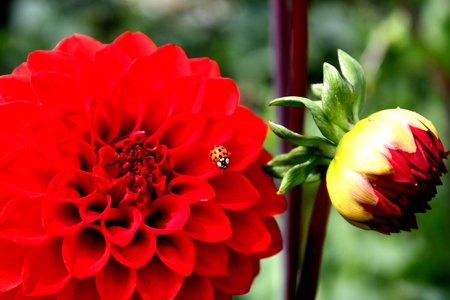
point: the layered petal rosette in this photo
(106, 187)
(385, 170)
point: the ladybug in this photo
(219, 155)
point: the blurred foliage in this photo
(404, 49)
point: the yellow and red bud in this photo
(385, 170)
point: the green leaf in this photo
(353, 72)
(319, 144)
(337, 98)
(317, 89)
(295, 176)
(281, 164)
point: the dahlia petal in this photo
(241, 196)
(427, 140)
(11, 294)
(78, 153)
(176, 251)
(193, 160)
(55, 61)
(77, 123)
(15, 115)
(120, 225)
(105, 120)
(116, 281)
(270, 204)
(60, 218)
(250, 235)
(57, 90)
(250, 124)
(135, 44)
(96, 79)
(204, 66)
(191, 189)
(44, 272)
(22, 69)
(13, 256)
(16, 87)
(27, 169)
(195, 288)
(113, 58)
(21, 221)
(218, 295)
(208, 223)
(181, 130)
(157, 281)
(80, 46)
(139, 251)
(277, 241)
(218, 128)
(71, 186)
(240, 278)
(188, 92)
(21, 296)
(166, 214)
(247, 151)
(221, 96)
(212, 259)
(44, 133)
(85, 252)
(79, 289)
(94, 207)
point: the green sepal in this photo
(320, 144)
(354, 74)
(281, 164)
(329, 130)
(317, 90)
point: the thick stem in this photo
(314, 246)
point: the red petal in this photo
(57, 90)
(204, 66)
(80, 46)
(11, 294)
(181, 130)
(191, 189)
(13, 256)
(208, 223)
(56, 61)
(250, 124)
(78, 153)
(96, 80)
(71, 186)
(22, 69)
(166, 214)
(86, 252)
(240, 278)
(156, 281)
(79, 289)
(250, 235)
(195, 288)
(221, 96)
(212, 259)
(26, 169)
(176, 251)
(188, 92)
(120, 225)
(21, 221)
(21, 296)
(139, 251)
(218, 128)
(60, 218)
(15, 115)
(16, 87)
(244, 151)
(135, 44)
(105, 120)
(77, 123)
(271, 204)
(44, 133)
(218, 295)
(94, 207)
(113, 58)
(193, 160)
(44, 272)
(277, 241)
(234, 191)
(116, 281)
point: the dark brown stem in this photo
(314, 246)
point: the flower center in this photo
(138, 168)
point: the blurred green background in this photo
(404, 48)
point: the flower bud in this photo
(385, 170)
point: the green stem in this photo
(314, 246)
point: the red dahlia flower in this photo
(107, 190)
(385, 170)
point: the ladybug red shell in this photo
(220, 156)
